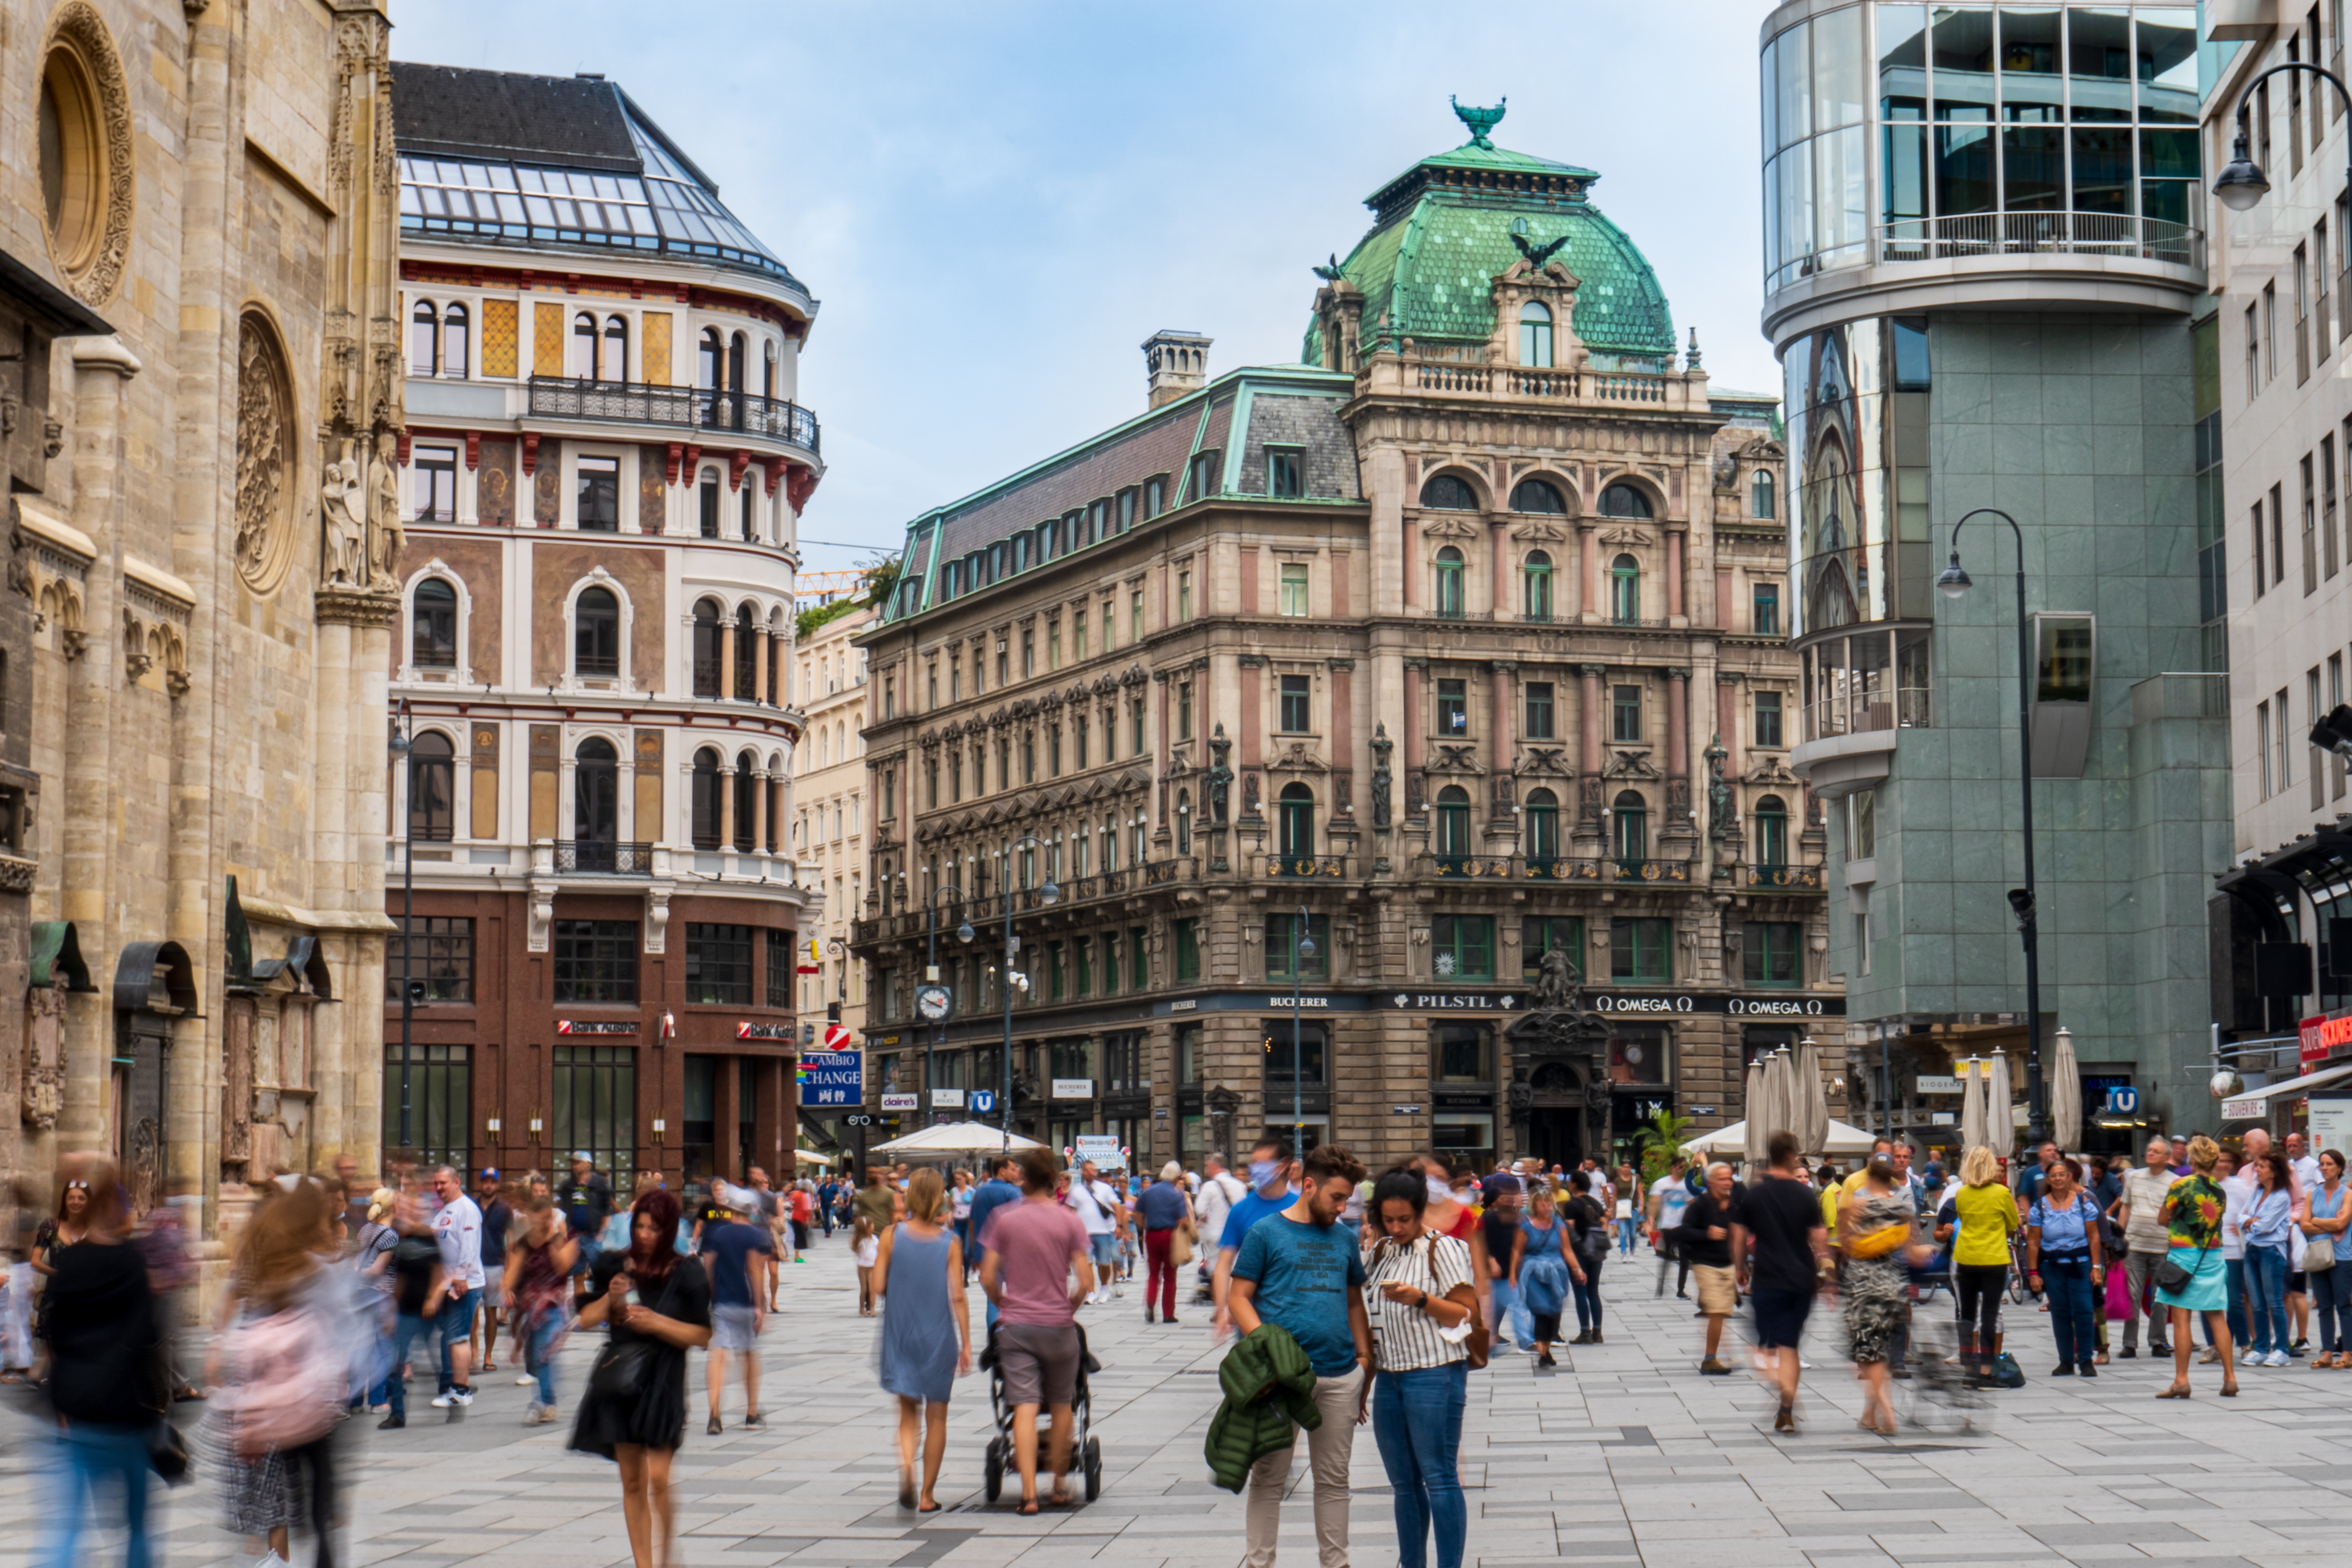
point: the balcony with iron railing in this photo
(1781, 878)
(604, 857)
(677, 407)
(1329, 868)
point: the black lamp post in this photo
(964, 933)
(2242, 185)
(1953, 585)
(404, 755)
(1047, 894)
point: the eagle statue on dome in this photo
(1537, 255)
(1330, 274)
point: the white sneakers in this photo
(538, 1415)
(2276, 1358)
(2256, 1358)
(455, 1396)
(525, 1380)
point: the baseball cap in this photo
(489, 1174)
(583, 1156)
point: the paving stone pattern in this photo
(1624, 1456)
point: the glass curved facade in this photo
(1898, 131)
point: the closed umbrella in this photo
(2001, 1121)
(1813, 1128)
(2065, 1086)
(1972, 1105)
(1754, 1108)
(1780, 1091)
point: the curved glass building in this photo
(1984, 264)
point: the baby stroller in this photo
(1086, 1449)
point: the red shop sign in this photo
(2323, 1038)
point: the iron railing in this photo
(1789, 879)
(1651, 870)
(1328, 866)
(1559, 868)
(604, 857)
(1472, 865)
(2040, 234)
(687, 407)
(1183, 868)
(1860, 711)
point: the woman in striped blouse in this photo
(1419, 1291)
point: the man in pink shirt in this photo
(1031, 1252)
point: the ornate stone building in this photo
(1457, 645)
(601, 487)
(198, 701)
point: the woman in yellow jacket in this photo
(1987, 1212)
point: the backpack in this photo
(290, 1380)
(2007, 1373)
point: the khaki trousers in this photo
(1327, 1450)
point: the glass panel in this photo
(2102, 171)
(2062, 661)
(1842, 211)
(2031, 89)
(1838, 86)
(1963, 59)
(1964, 176)
(1790, 66)
(1796, 189)
(1901, 62)
(2033, 168)
(1904, 150)
(2168, 155)
(2098, 59)
(1767, 94)
(2166, 64)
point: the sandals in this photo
(1060, 1499)
(1028, 1509)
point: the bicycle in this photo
(1942, 1393)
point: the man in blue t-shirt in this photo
(1272, 1173)
(739, 1254)
(1001, 1188)
(1301, 1271)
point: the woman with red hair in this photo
(658, 1305)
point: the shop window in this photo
(1461, 1053)
(440, 1103)
(439, 960)
(1770, 953)
(591, 1101)
(1192, 1055)
(1304, 1061)
(1638, 1054)
(1539, 934)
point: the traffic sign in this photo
(982, 1101)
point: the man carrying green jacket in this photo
(1269, 1392)
(1301, 1271)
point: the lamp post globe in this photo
(1954, 581)
(964, 932)
(2242, 184)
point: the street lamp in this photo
(404, 755)
(1047, 894)
(1302, 948)
(931, 976)
(1955, 585)
(2242, 185)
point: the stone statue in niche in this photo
(1220, 776)
(1718, 793)
(385, 535)
(45, 1056)
(339, 503)
(1381, 747)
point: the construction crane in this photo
(824, 588)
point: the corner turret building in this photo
(1345, 690)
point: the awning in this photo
(2251, 1106)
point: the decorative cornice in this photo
(341, 605)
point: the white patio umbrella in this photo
(1812, 1098)
(2001, 1121)
(1972, 1103)
(1753, 1106)
(2063, 1085)
(1843, 1138)
(955, 1137)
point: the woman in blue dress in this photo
(1539, 1270)
(926, 1330)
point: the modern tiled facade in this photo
(1978, 319)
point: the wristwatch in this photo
(1424, 1303)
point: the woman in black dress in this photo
(634, 1413)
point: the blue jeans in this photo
(407, 1329)
(1417, 1421)
(2233, 1278)
(1506, 1312)
(454, 1321)
(543, 1361)
(88, 1454)
(2068, 1285)
(1627, 1230)
(2266, 1297)
(1588, 1297)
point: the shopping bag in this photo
(2119, 1302)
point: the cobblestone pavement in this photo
(1624, 1455)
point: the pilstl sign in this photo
(2325, 1037)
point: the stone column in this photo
(1588, 554)
(760, 811)
(1416, 720)
(1727, 720)
(1674, 572)
(760, 641)
(726, 657)
(1498, 543)
(726, 806)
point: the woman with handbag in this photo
(2327, 1220)
(1541, 1271)
(2269, 1226)
(658, 1305)
(1873, 1222)
(2190, 1279)
(2063, 1249)
(1420, 1294)
(1589, 1244)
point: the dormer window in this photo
(1154, 496)
(1206, 482)
(1535, 335)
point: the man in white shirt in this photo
(1219, 1191)
(2140, 1211)
(1098, 1210)
(458, 1232)
(1669, 1195)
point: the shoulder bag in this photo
(622, 1367)
(2172, 1276)
(2319, 1251)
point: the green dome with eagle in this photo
(1446, 226)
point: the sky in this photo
(994, 204)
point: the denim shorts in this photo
(455, 1315)
(1104, 1248)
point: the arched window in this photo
(1541, 844)
(775, 663)
(1771, 831)
(582, 363)
(1625, 590)
(1624, 501)
(1452, 821)
(747, 781)
(1449, 492)
(1537, 495)
(1630, 818)
(424, 337)
(746, 656)
(768, 382)
(1449, 582)
(432, 788)
(705, 648)
(709, 499)
(732, 417)
(1297, 820)
(596, 796)
(1537, 577)
(433, 626)
(1535, 335)
(748, 492)
(453, 356)
(1761, 502)
(614, 365)
(596, 632)
(705, 802)
(711, 362)
(1184, 822)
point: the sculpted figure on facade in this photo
(385, 534)
(339, 501)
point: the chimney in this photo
(1179, 363)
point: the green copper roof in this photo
(1442, 232)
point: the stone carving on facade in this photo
(42, 1088)
(1455, 760)
(1448, 527)
(1249, 791)
(1631, 765)
(97, 272)
(265, 457)
(339, 514)
(1551, 761)
(1719, 816)
(1381, 747)
(1297, 757)
(155, 636)
(1220, 776)
(1770, 769)
(385, 533)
